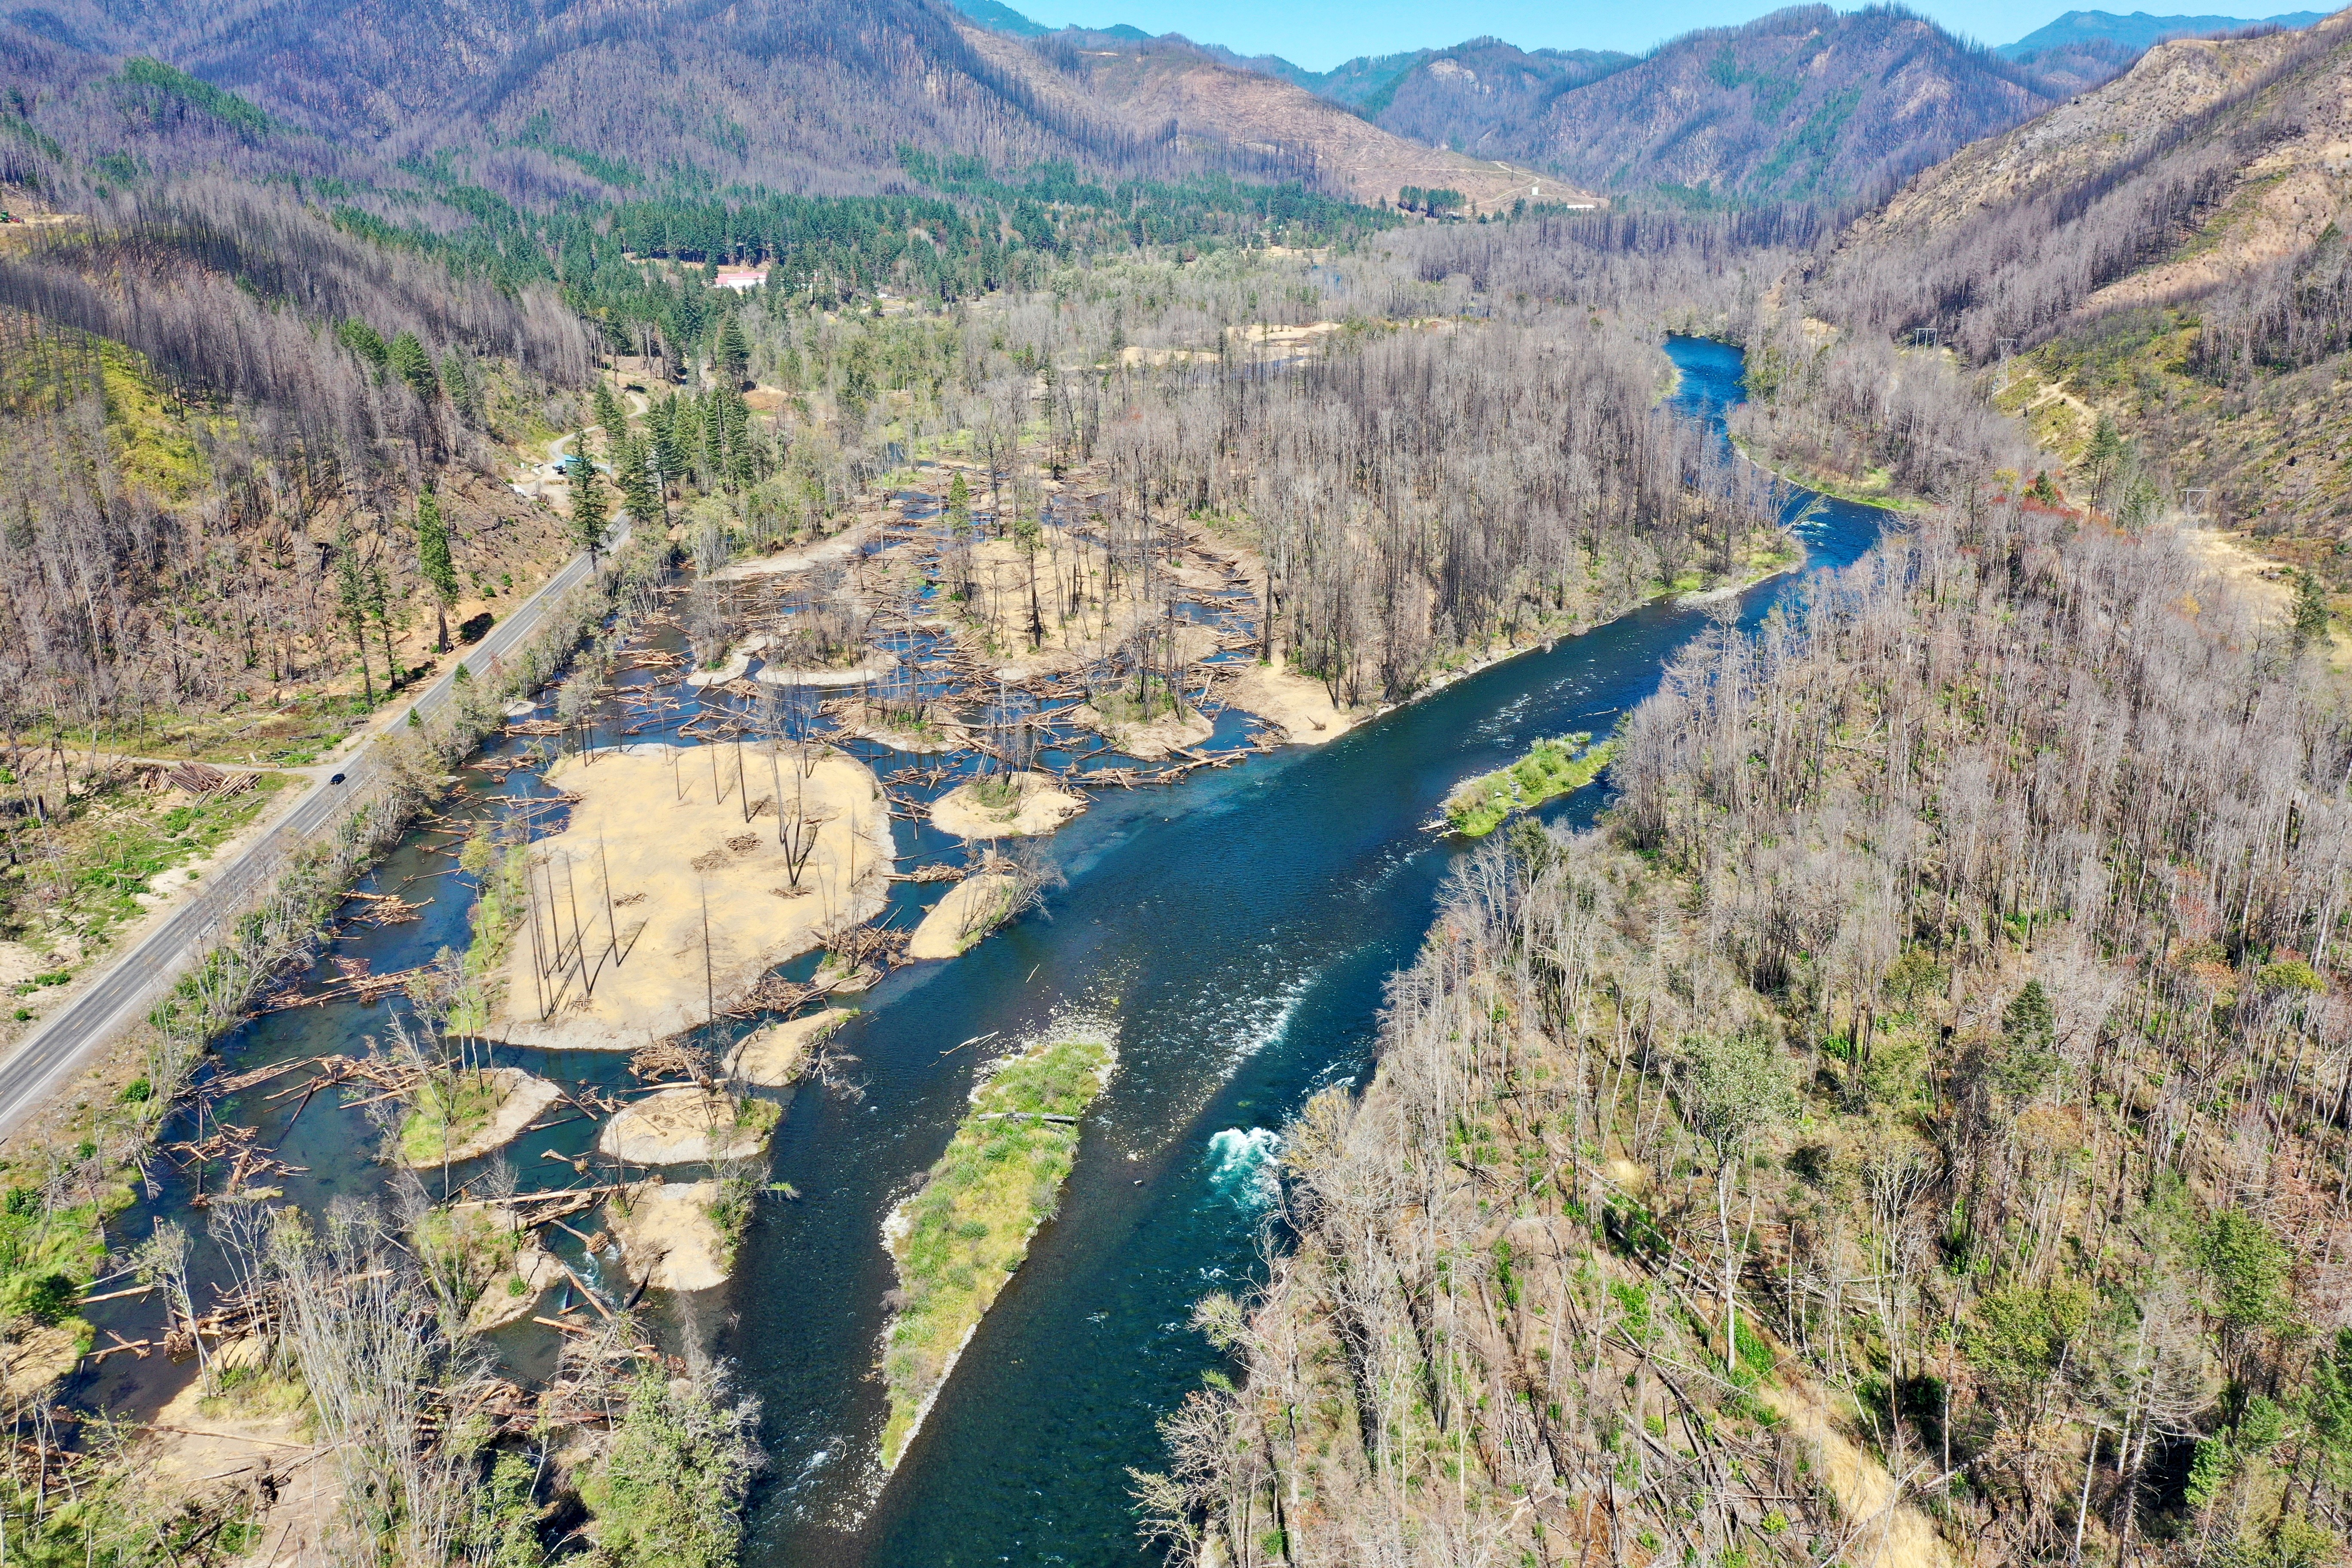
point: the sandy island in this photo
(535, 1270)
(649, 817)
(521, 1099)
(667, 1239)
(973, 908)
(1173, 730)
(773, 1056)
(840, 547)
(1031, 802)
(687, 1126)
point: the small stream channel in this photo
(1237, 928)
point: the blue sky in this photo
(1319, 33)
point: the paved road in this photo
(131, 985)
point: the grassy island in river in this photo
(957, 1240)
(1552, 768)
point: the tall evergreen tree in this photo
(641, 491)
(409, 361)
(434, 564)
(590, 509)
(734, 353)
(609, 414)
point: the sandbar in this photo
(681, 864)
(837, 548)
(686, 1126)
(1038, 805)
(500, 1304)
(1173, 730)
(1297, 705)
(973, 908)
(773, 1056)
(667, 1239)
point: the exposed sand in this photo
(1296, 704)
(681, 1126)
(35, 1359)
(945, 734)
(865, 674)
(1171, 731)
(733, 670)
(664, 855)
(773, 1056)
(1886, 1530)
(207, 1448)
(973, 908)
(499, 1305)
(1038, 806)
(840, 547)
(525, 1098)
(667, 1237)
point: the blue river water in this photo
(1237, 929)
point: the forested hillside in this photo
(1934, 1069)
(562, 99)
(2161, 262)
(1803, 105)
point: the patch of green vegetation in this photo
(47, 1255)
(152, 447)
(465, 1252)
(503, 874)
(450, 1108)
(170, 82)
(539, 132)
(118, 842)
(997, 791)
(1122, 705)
(955, 1241)
(668, 1490)
(1552, 768)
(32, 135)
(1812, 142)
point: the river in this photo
(1237, 930)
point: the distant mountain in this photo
(1168, 82)
(537, 98)
(1002, 18)
(1806, 104)
(2139, 30)
(1476, 96)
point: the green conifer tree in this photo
(2310, 610)
(433, 561)
(590, 510)
(408, 361)
(734, 353)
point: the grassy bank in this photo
(1553, 768)
(956, 1241)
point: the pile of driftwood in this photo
(241, 1147)
(353, 982)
